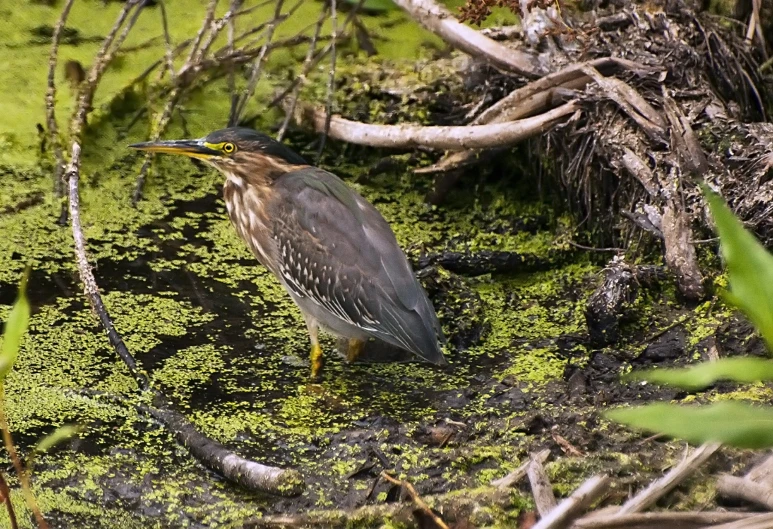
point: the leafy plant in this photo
(750, 274)
(15, 329)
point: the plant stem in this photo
(24, 479)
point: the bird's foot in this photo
(355, 349)
(316, 361)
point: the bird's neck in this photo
(246, 203)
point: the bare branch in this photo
(53, 128)
(657, 489)
(215, 456)
(575, 504)
(256, 68)
(330, 81)
(746, 489)
(168, 50)
(102, 59)
(541, 488)
(5, 497)
(301, 78)
(415, 498)
(661, 520)
(205, 25)
(434, 137)
(306, 63)
(519, 473)
(439, 20)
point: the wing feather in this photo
(351, 262)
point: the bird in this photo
(334, 253)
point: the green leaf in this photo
(742, 370)
(749, 267)
(731, 423)
(59, 435)
(15, 328)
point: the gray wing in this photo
(336, 249)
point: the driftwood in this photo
(664, 485)
(519, 473)
(541, 488)
(571, 508)
(438, 20)
(451, 138)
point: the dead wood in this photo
(416, 498)
(756, 521)
(746, 489)
(541, 488)
(519, 473)
(437, 137)
(53, 128)
(657, 489)
(439, 20)
(580, 500)
(662, 520)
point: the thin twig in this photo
(303, 76)
(440, 21)
(21, 472)
(53, 128)
(214, 455)
(420, 503)
(169, 51)
(434, 137)
(231, 67)
(330, 81)
(5, 493)
(519, 473)
(541, 488)
(580, 500)
(205, 25)
(659, 488)
(661, 520)
(256, 68)
(753, 521)
(102, 59)
(306, 62)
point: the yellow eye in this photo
(228, 148)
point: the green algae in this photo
(218, 334)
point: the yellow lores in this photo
(331, 249)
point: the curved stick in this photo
(211, 453)
(440, 21)
(434, 137)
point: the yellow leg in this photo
(316, 350)
(355, 349)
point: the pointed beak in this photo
(192, 148)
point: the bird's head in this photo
(237, 152)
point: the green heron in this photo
(330, 248)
